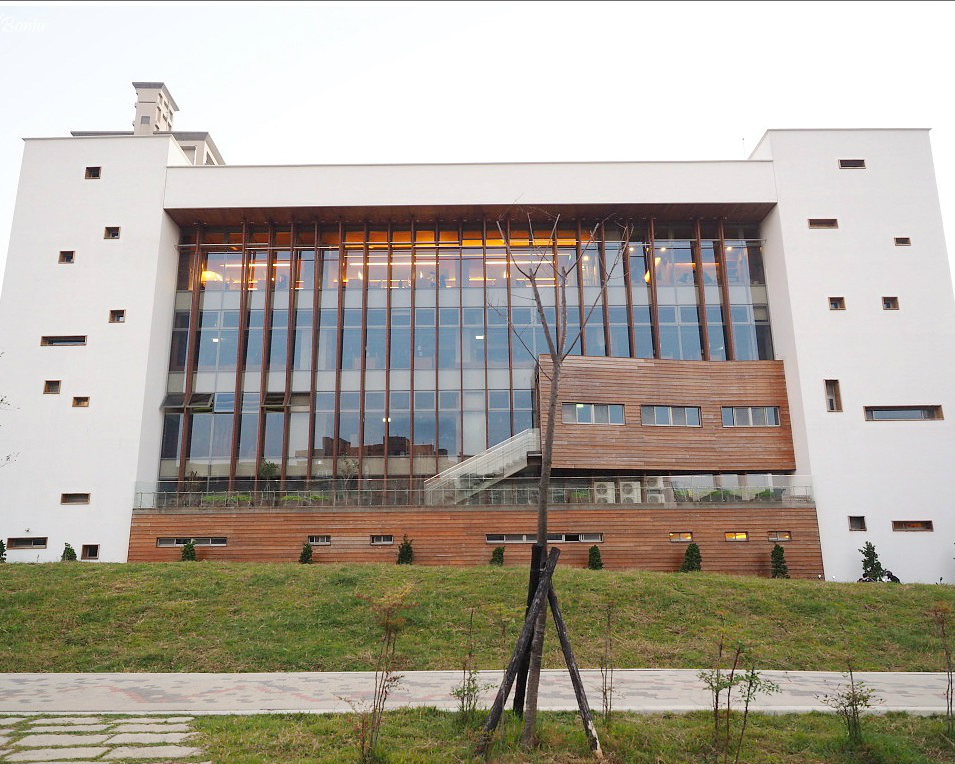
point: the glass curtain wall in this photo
(391, 351)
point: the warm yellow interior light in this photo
(210, 276)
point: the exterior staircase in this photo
(458, 483)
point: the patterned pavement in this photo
(642, 690)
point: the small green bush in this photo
(3, 551)
(692, 559)
(778, 558)
(188, 552)
(405, 552)
(594, 562)
(871, 567)
(497, 556)
(69, 554)
(306, 556)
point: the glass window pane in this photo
(585, 413)
(727, 416)
(647, 415)
(662, 414)
(616, 414)
(601, 414)
(693, 417)
(741, 416)
(570, 413)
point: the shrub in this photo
(3, 552)
(188, 552)
(69, 554)
(871, 567)
(497, 556)
(593, 558)
(405, 552)
(306, 556)
(692, 559)
(778, 558)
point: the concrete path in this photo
(643, 690)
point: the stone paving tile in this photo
(66, 720)
(56, 754)
(4, 740)
(154, 720)
(151, 728)
(6, 721)
(70, 728)
(38, 741)
(149, 737)
(153, 752)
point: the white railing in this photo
(477, 472)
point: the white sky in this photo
(442, 82)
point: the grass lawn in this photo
(426, 736)
(287, 617)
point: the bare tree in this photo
(559, 345)
(4, 406)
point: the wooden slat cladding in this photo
(633, 538)
(710, 385)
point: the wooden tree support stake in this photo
(497, 709)
(586, 716)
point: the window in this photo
(593, 413)
(81, 401)
(856, 522)
(670, 416)
(320, 540)
(890, 303)
(823, 223)
(63, 340)
(92, 173)
(37, 542)
(751, 416)
(779, 536)
(902, 413)
(736, 536)
(111, 232)
(912, 525)
(144, 120)
(74, 498)
(903, 241)
(382, 540)
(117, 316)
(833, 396)
(851, 164)
(681, 536)
(531, 538)
(837, 303)
(90, 552)
(183, 540)
(51, 387)
(67, 256)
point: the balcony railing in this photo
(641, 492)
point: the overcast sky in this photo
(452, 82)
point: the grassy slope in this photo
(235, 617)
(426, 736)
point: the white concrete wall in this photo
(103, 449)
(374, 185)
(884, 471)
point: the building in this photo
(257, 356)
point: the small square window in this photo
(90, 552)
(67, 257)
(144, 120)
(81, 402)
(117, 316)
(74, 498)
(51, 387)
(837, 303)
(903, 241)
(851, 164)
(92, 173)
(823, 223)
(111, 232)
(736, 535)
(890, 303)
(856, 522)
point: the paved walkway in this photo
(644, 690)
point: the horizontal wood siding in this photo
(633, 538)
(710, 385)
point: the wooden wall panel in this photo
(709, 385)
(633, 538)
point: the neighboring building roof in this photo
(158, 86)
(177, 134)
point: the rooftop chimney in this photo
(155, 108)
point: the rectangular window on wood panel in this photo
(35, 542)
(751, 416)
(912, 525)
(320, 540)
(678, 536)
(200, 541)
(736, 536)
(670, 416)
(902, 413)
(779, 536)
(833, 395)
(593, 413)
(382, 540)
